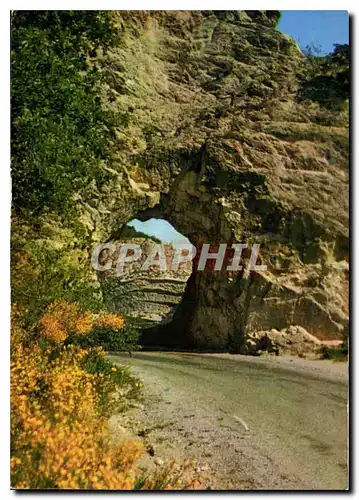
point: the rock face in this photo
(217, 143)
(149, 296)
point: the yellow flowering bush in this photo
(110, 321)
(62, 318)
(58, 419)
(59, 437)
(61, 397)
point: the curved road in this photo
(273, 423)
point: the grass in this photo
(336, 353)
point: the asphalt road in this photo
(254, 423)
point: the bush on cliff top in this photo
(328, 77)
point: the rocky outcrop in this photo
(293, 340)
(214, 140)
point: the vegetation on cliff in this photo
(327, 79)
(59, 129)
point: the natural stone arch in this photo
(227, 152)
(194, 213)
(218, 310)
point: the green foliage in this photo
(339, 353)
(111, 339)
(110, 377)
(96, 363)
(340, 59)
(327, 79)
(60, 131)
(129, 232)
(45, 269)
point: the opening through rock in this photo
(146, 291)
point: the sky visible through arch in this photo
(160, 228)
(321, 28)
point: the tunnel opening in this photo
(149, 291)
(218, 311)
(210, 312)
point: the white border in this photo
(184, 5)
(5, 171)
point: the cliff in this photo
(212, 135)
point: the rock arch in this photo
(218, 310)
(226, 153)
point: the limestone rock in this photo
(218, 144)
(293, 340)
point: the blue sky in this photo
(322, 27)
(160, 228)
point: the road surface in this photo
(254, 423)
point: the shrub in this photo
(65, 322)
(327, 79)
(61, 397)
(59, 128)
(109, 376)
(47, 265)
(59, 434)
(110, 337)
(338, 353)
